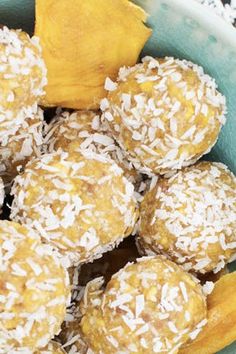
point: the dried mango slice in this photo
(84, 42)
(221, 328)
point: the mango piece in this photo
(84, 42)
(221, 328)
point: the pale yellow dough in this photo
(151, 306)
(34, 290)
(84, 128)
(79, 202)
(191, 218)
(165, 113)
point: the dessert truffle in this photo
(191, 218)
(80, 202)
(165, 113)
(34, 290)
(151, 306)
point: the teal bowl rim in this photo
(208, 17)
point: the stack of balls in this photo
(85, 182)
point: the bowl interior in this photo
(180, 29)
(17, 14)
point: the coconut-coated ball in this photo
(18, 148)
(22, 77)
(191, 217)
(34, 290)
(151, 306)
(165, 113)
(81, 203)
(84, 128)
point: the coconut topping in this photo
(164, 113)
(23, 77)
(144, 306)
(78, 201)
(35, 290)
(191, 217)
(85, 128)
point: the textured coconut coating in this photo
(22, 77)
(151, 306)
(191, 217)
(106, 266)
(85, 129)
(2, 194)
(79, 202)
(17, 149)
(165, 113)
(70, 335)
(51, 348)
(66, 127)
(34, 290)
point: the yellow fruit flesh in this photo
(83, 43)
(221, 328)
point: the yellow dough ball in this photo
(22, 78)
(67, 127)
(71, 335)
(34, 290)
(191, 217)
(151, 306)
(51, 348)
(2, 194)
(17, 149)
(84, 129)
(79, 202)
(165, 113)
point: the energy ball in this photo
(67, 127)
(34, 290)
(51, 348)
(22, 77)
(191, 218)
(2, 194)
(84, 128)
(70, 335)
(18, 148)
(151, 306)
(81, 203)
(165, 113)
